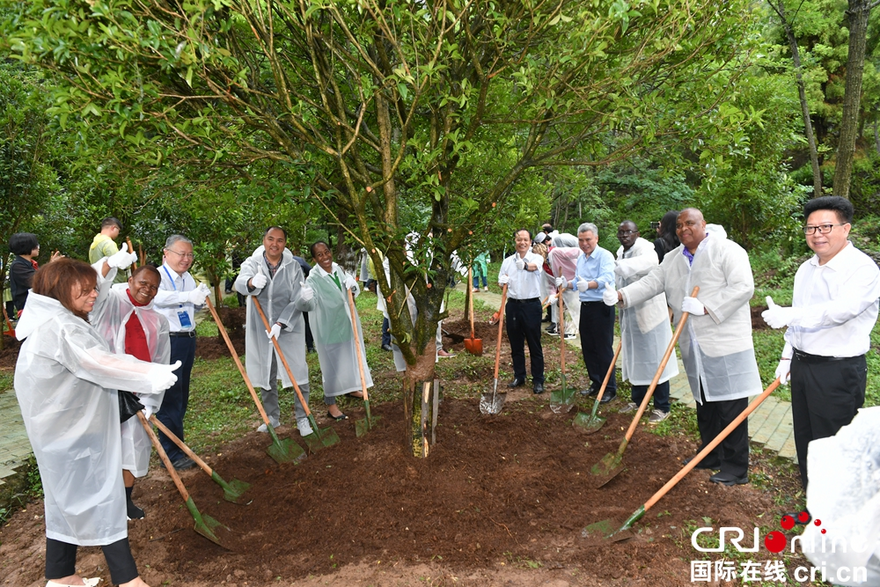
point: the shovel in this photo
(622, 532)
(318, 439)
(11, 331)
(561, 401)
(612, 463)
(472, 345)
(134, 264)
(232, 491)
(593, 423)
(491, 403)
(361, 427)
(204, 524)
(283, 451)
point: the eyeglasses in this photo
(822, 228)
(182, 255)
(626, 232)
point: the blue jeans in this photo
(477, 281)
(386, 331)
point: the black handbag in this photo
(128, 405)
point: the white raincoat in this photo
(644, 330)
(716, 348)
(111, 314)
(563, 263)
(330, 319)
(278, 300)
(65, 381)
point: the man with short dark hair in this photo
(178, 298)
(104, 245)
(522, 273)
(834, 308)
(274, 277)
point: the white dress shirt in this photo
(523, 284)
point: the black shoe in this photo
(728, 479)
(590, 392)
(538, 388)
(516, 383)
(552, 330)
(607, 397)
(707, 465)
(338, 418)
(134, 512)
(386, 347)
(183, 463)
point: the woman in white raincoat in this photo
(124, 316)
(325, 298)
(65, 381)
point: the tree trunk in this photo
(849, 125)
(802, 96)
(421, 396)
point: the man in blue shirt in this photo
(595, 268)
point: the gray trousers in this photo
(270, 396)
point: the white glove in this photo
(259, 281)
(552, 299)
(350, 283)
(148, 410)
(274, 331)
(693, 306)
(123, 259)
(306, 293)
(520, 263)
(779, 316)
(609, 296)
(198, 295)
(162, 377)
(582, 284)
(503, 279)
(561, 283)
(783, 371)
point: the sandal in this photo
(337, 418)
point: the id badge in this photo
(183, 316)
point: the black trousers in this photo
(732, 455)
(61, 560)
(176, 399)
(524, 326)
(825, 396)
(597, 343)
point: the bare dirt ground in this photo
(501, 501)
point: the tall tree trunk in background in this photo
(779, 7)
(849, 125)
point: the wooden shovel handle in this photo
(357, 345)
(162, 455)
(299, 394)
(561, 330)
(180, 444)
(666, 355)
(134, 264)
(500, 326)
(609, 372)
(247, 380)
(711, 446)
(470, 294)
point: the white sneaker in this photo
(570, 336)
(628, 408)
(262, 427)
(304, 427)
(657, 416)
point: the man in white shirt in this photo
(522, 272)
(177, 299)
(834, 309)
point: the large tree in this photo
(374, 106)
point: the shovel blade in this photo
(232, 490)
(364, 425)
(607, 469)
(205, 525)
(491, 403)
(474, 346)
(321, 438)
(608, 530)
(562, 400)
(588, 423)
(286, 451)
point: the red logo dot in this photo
(775, 541)
(804, 517)
(787, 522)
(817, 522)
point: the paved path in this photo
(769, 426)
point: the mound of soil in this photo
(501, 500)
